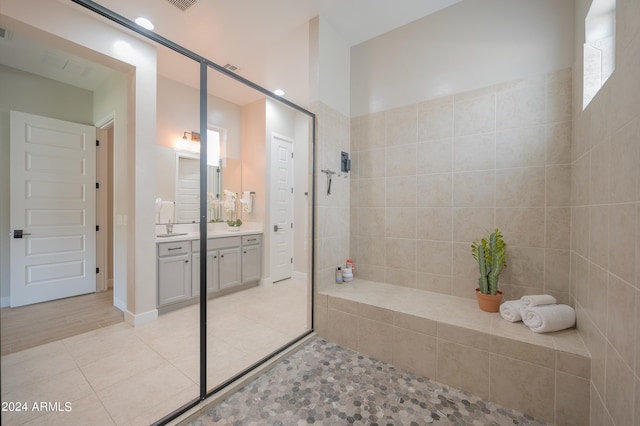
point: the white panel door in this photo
(188, 190)
(281, 208)
(53, 202)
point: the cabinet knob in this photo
(186, 261)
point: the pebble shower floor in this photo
(326, 384)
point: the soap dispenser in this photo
(339, 275)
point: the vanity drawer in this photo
(248, 240)
(216, 243)
(173, 249)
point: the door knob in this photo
(276, 228)
(18, 233)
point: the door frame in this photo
(102, 204)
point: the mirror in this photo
(178, 151)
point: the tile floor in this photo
(132, 376)
(325, 384)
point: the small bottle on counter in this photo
(347, 274)
(339, 275)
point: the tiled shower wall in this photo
(605, 247)
(428, 179)
(332, 210)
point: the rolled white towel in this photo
(548, 318)
(511, 310)
(537, 300)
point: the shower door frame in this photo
(205, 64)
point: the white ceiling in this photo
(267, 40)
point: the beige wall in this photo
(605, 223)
(432, 177)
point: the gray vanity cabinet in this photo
(251, 258)
(212, 272)
(174, 272)
(230, 268)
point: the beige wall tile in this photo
(435, 119)
(521, 226)
(619, 392)
(580, 230)
(435, 190)
(520, 106)
(401, 160)
(525, 267)
(625, 154)
(400, 222)
(343, 329)
(372, 192)
(401, 191)
(558, 141)
(371, 221)
(523, 386)
(320, 312)
(597, 345)
(599, 174)
(464, 266)
(434, 257)
(458, 366)
(474, 152)
(528, 352)
(558, 101)
(573, 364)
(372, 131)
(621, 310)
(371, 163)
(558, 186)
(596, 408)
(558, 228)
(402, 125)
(400, 253)
(521, 187)
(434, 223)
(414, 352)
(435, 283)
(572, 400)
(414, 323)
(637, 335)
(435, 156)
(343, 305)
(371, 250)
(375, 339)
(464, 287)
(579, 181)
(371, 272)
(464, 336)
(520, 147)
(556, 270)
(622, 240)
(474, 112)
(596, 307)
(375, 313)
(471, 224)
(399, 277)
(599, 235)
(474, 189)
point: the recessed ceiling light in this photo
(279, 92)
(144, 23)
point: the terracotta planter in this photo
(487, 302)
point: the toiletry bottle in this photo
(347, 274)
(339, 275)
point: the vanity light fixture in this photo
(144, 23)
(190, 142)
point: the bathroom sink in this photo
(173, 234)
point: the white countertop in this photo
(217, 234)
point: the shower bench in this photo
(449, 340)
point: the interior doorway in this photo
(104, 205)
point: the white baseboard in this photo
(137, 320)
(299, 275)
(5, 302)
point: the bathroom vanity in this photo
(233, 263)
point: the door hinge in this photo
(97, 227)
(97, 142)
(291, 225)
(97, 185)
(292, 155)
(97, 270)
(292, 260)
(292, 190)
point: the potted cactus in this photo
(490, 253)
